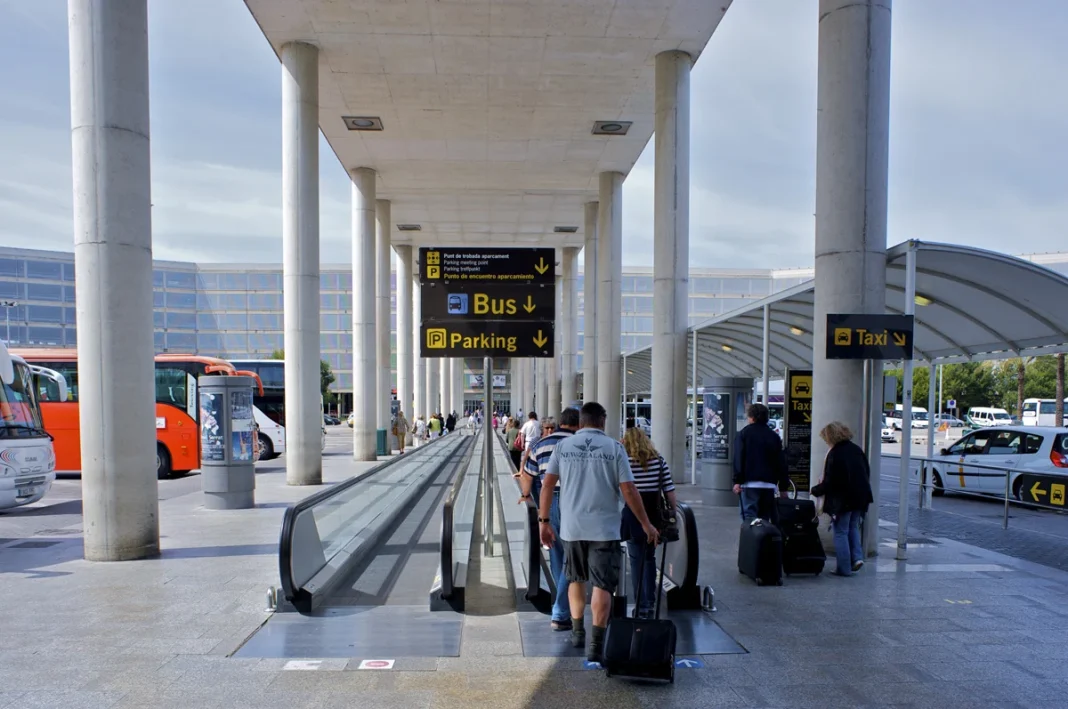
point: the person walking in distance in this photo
(759, 467)
(595, 477)
(846, 489)
(531, 433)
(530, 485)
(400, 429)
(418, 431)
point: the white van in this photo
(984, 416)
(1041, 412)
(919, 417)
(272, 436)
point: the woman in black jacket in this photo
(847, 493)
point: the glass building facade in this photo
(234, 311)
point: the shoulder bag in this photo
(669, 521)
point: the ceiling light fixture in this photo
(797, 331)
(362, 122)
(922, 300)
(565, 229)
(611, 127)
(409, 227)
(727, 348)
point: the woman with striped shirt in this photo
(652, 477)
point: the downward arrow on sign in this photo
(529, 307)
(540, 340)
(541, 267)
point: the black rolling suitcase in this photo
(802, 550)
(760, 552)
(635, 647)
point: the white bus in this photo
(1040, 412)
(27, 459)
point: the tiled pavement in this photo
(954, 627)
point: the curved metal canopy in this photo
(972, 305)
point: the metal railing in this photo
(1010, 492)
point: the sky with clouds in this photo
(978, 111)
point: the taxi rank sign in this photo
(879, 337)
(487, 302)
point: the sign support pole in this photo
(906, 417)
(694, 431)
(932, 430)
(487, 456)
(766, 354)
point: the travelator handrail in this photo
(292, 591)
(448, 582)
(446, 592)
(1017, 482)
(680, 570)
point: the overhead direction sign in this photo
(486, 338)
(471, 301)
(879, 337)
(487, 265)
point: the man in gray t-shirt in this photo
(594, 473)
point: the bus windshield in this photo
(20, 414)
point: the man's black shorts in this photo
(598, 562)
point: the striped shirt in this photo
(538, 460)
(654, 477)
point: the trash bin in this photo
(383, 442)
(227, 440)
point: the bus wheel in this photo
(266, 448)
(163, 462)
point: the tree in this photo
(1058, 419)
(326, 376)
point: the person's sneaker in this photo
(858, 565)
(560, 625)
(578, 638)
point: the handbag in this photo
(669, 521)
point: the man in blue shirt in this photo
(594, 474)
(530, 484)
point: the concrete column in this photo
(516, 385)
(300, 262)
(568, 326)
(541, 387)
(852, 136)
(113, 268)
(444, 386)
(609, 297)
(404, 329)
(383, 347)
(364, 337)
(418, 363)
(671, 256)
(589, 304)
(433, 386)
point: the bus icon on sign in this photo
(457, 304)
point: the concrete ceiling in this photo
(488, 105)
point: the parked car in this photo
(331, 420)
(1034, 449)
(351, 420)
(887, 433)
(988, 416)
(919, 417)
(953, 421)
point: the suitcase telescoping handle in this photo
(660, 581)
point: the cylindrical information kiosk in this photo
(725, 402)
(227, 438)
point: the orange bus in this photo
(177, 408)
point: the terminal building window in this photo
(181, 300)
(264, 281)
(181, 341)
(157, 341)
(265, 342)
(328, 301)
(209, 343)
(181, 279)
(45, 270)
(70, 316)
(264, 321)
(8, 289)
(158, 277)
(44, 313)
(69, 294)
(235, 342)
(159, 299)
(232, 321)
(72, 336)
(233, 281)
(182, 321)
(49, 336)
(11, 267)
(44, 291)
(264, 301)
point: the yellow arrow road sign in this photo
(541, 266)
(529, 307)
(1037, 491)
(541, 339)
(900, 339)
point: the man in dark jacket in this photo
(759, 467)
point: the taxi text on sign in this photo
(861, 336)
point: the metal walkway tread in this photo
(698, 634)
(359, 631)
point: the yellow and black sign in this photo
(486, 338)
(473, 265)
(1042, 489)
(797, 427)
(879, 337)
(467, 301)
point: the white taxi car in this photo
(961, 467)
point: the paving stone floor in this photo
(955, 626)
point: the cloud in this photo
(976, 134)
